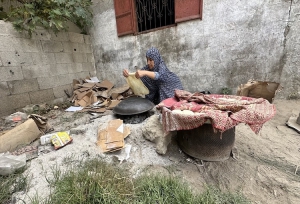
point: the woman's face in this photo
(150, 63)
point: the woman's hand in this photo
(140, 73)
(125, 73)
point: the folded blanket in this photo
(223, 111)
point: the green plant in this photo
(50, 14)
(12, 183)
(95, 181)
(226, 91)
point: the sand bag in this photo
(137, 85)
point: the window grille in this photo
(153, 14)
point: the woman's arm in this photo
(142, 73)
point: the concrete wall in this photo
(236, 41)
(38, 69)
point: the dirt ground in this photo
(265, 167)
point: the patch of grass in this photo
(163, 189)
(12, 183)
(95, 181)
(213, 195)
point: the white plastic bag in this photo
(10, 163)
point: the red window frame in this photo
(126, 17)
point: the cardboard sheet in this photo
(112, 137)
(21, 135)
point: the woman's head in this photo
(153, 58)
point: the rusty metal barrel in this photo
(205, 144)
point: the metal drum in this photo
(133, 105)
(205, 144)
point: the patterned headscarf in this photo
(154, 54)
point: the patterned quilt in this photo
(190, 110)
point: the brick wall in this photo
(38, 69)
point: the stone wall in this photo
(236, 41)
(38, 69)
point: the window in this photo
(135, 16)
(154, 14)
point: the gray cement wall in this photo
(38, 69)
(236, 41)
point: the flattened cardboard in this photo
(113, 104)
(86, 100)
(119, 90)
(22, 134)
(88, 85)
(112, 137)
(76, 84)
(105, 84)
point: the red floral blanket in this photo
(188, 111)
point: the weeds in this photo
(95, 181)
(11, 184)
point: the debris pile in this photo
(91, 95)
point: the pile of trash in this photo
(91, 95)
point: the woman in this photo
(160, 81)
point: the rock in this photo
(153, 131)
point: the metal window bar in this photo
(153, 14)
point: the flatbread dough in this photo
(137, 86)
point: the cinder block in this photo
(75, 68)
(43, 58)
(60, 93)
(23, 86)
(70, 47)
(52, 46)
(8, 29)
(29, 45)
(60, 36)
(79, 57)
(41, 96)
(67, 78)
(87, 48)
(10, 103)
(35, 71)
(55, 81)
(41, 34)
(56, 101)
(16, 58)
(9, 44)
(48, 82)
(60, 69)
(90, 57)
(83, 75)
(88, 66)
(4, 91)
(10, 73)
(64, 57)
(76, 37)
(87, 39)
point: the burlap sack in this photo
(259, 89)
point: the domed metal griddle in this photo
(133, 105)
